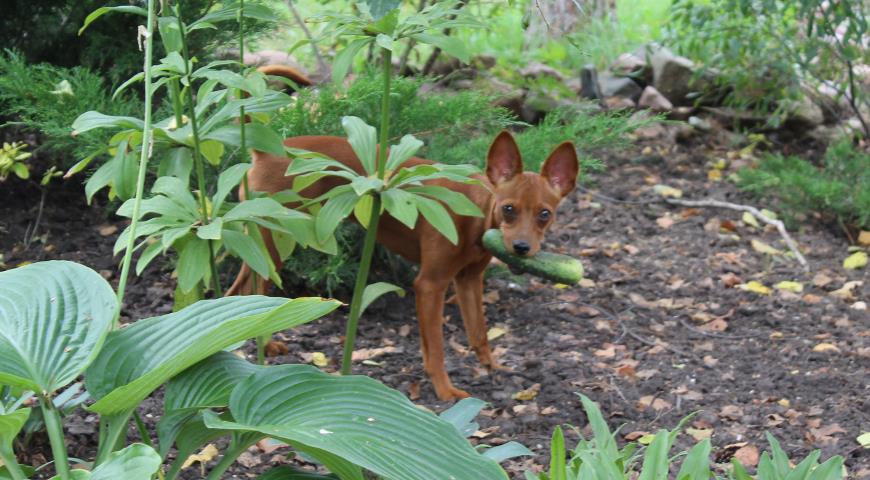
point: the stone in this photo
(634, 66)
(506, 95)
(699, 123)
(613, 86)
(536, 106)
(672, 75)
(538, 70)
(589, 87)
(803, 113)
(681, 113)
(654, 100)
(619, 103)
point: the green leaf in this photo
(21, 170)
(150, 253)
(129, 368)
(54, 316)
(452, 46)
(212, 150)
(832, 469)
(212, 231)
(285, 472)
(557, 455)
(136, 462)
(507, 451)
(462, 415)
(401, 442)
(104, 10)
(207, 384)
(363, 210)
(344, 60)
(12, 423)
(437, 216)
(331, 214)
(170, 33)
(228, 180)
(401, 205)
(262, 207)
(655, 460)
(457, 201)
(363, 139)
(384, 41)
(363, 185)
(242, 245)
(399, 154)
(601, 433)
(376, 290)
(379, 8)
(258, 137)
(193, 264)
(92, 119)
(696, 465)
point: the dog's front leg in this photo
(430, 291)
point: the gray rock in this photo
(537, 105)
(700, 124)
(654, 100)
(634, 66)
(589, 87)
(538, 70)
(803, 113)
(613, 86)
(619, 103)
(672, 75)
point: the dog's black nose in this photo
(521, 247)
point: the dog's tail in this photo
(298, 78)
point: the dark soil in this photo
(657, 331)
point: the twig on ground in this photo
(780, 227)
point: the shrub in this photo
(45, 99)
(839, 189)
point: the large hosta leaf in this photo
(290, 473)
(54, 316)
(136, 462)
(138, 359)
(355, 418)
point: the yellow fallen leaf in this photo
(864, 237)
(826, 347)
(750, 219)
(864, 439)
(495, 332)
(667, 191)
(789, 286)
(845, 292)
(755, 287)
(855, 261)
(767, 213)
(784, 402)
(204, 456)
(700, 433)
(528, 394)
(646, 439)
(714, 175)
(720, 164)
(560, 286)
(762, 247)
(319, 359)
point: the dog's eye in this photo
(544, 215)
(508, 209)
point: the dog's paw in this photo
(451, 393)
(498, 367)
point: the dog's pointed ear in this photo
(503, 162)
(561, 168)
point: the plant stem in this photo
(54, 427)
(143, 430)
(197, 156)
(360, 286)
(111, 429)
(11, 463)
(372, 227)
(233, 451)
(143, 165)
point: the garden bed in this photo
(659, 329)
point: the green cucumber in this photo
(547, 265)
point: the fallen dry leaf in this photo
(248, 460)
(855, 261)
(657, 404)
(730, 280)
(369, 353)
(864, 238)
(275, 349)
(632, 436)
(820, 279)
(845, 292)
(106, 230)
(665, 222)
(700, 433)
(826, 348)
(731, 412)
(789, 286)
(319, 359)
(755, 286)
(204, 456)
(747, 455)
(269, 445)
(495, 332)
(750, 220)
(528, 394)
(404, 330)
(716, 325)
(764, 248)
(667, 191)
(491, 297)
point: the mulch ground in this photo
(659, 329)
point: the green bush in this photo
(839, 189)
(45, 99)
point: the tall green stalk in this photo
(11, 463)
(197, 155)
(54, 427)
(143, 164)
(372, 228)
